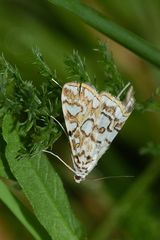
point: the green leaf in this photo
(128, 39)
(2, 170)
(26, 218)
(43, 188)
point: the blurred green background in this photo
(126, 208)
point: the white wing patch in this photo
(87, 127)
(92, 121)
(73, 109)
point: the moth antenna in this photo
(56, 82)
(59, 125)
(110, 177)
(122, 91)
(55, 155)
(80, 86)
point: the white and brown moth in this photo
(92, 121)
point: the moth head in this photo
(78, 178)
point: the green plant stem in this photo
(128, 201)
(114, 31)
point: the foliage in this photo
(32, 107)
(76, 67)
(125, 208)
(27, 128)
(45, 191)
(113, 78)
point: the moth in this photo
(92, 121)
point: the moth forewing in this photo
(92, 121)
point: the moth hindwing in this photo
(92, 121)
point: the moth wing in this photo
(92, 122)
(80, 105)
(112, 117)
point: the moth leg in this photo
(122, 91)
(56, 82)
(59, 125)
